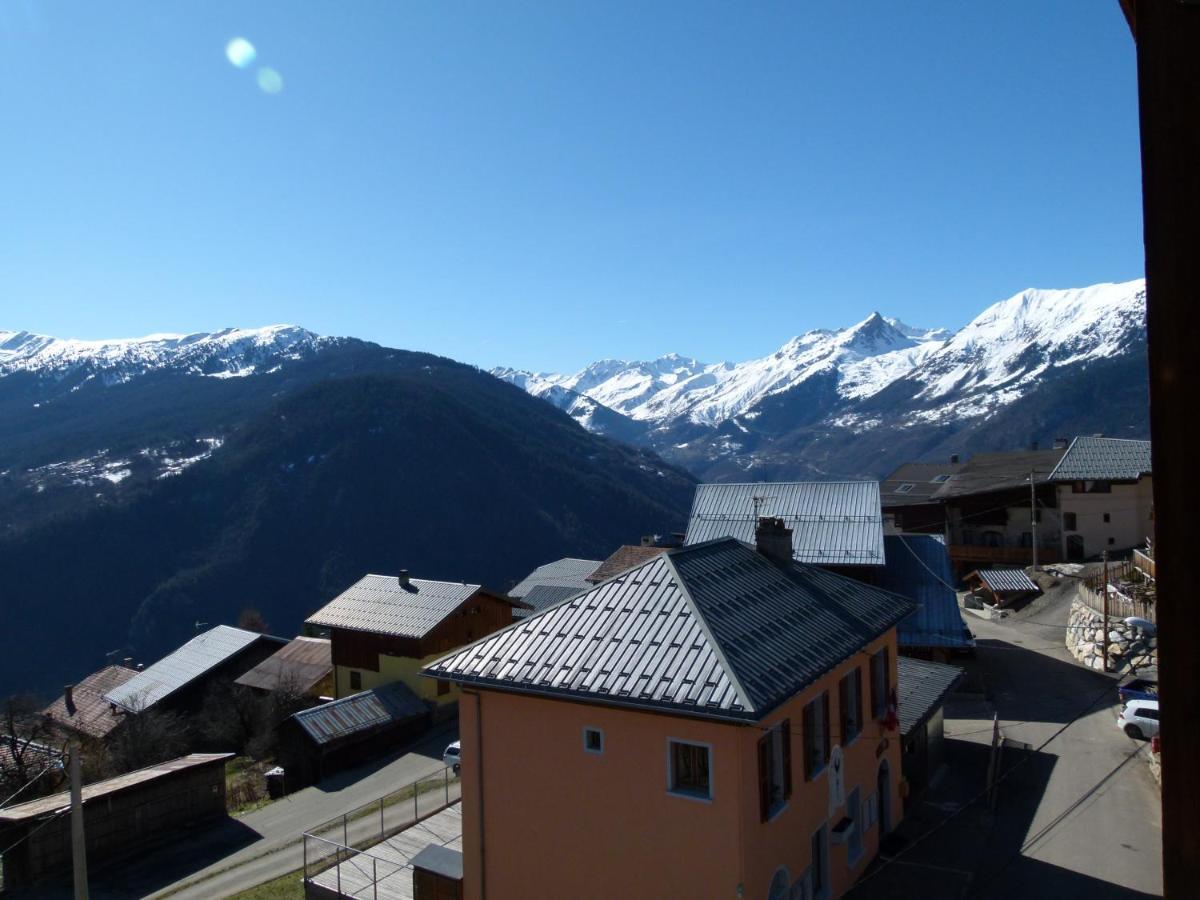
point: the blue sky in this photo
(545, 184)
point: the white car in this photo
(452, 758)
(1139, 719)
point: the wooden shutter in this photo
(786, 738)
(887, 677)
(764, 776)
(825, 730)
(876, 686)
(858, 699)
(844, 710)
(807, 737)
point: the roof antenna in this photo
(759, 500)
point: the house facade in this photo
(384, 629)
(717, 722)
(1105, 496)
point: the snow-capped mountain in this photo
(878, 372)
(232, 352)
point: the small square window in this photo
(904, 488)
(593, 740)
(1107, 517)
(689, 766)
(941, 479)
(1111, 541)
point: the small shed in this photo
(1001, 587)
(437, 874)
(921, 689)
(123, 816)
(333, 736)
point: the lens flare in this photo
(240, 52)
(269, 80)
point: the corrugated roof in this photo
(544, 595)
(1006, 580)
(919, 567)
(367, 710)
(832, 522)
(1103, 459)
(921, 687)
(985, 472)
(301, 664)
(567, 572)
(916, 482)
(203, 652)
(380, 604)
(713, 630)
(93, 713)
(45, 805)
(625, 557)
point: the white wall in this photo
(1129, 508)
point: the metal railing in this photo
(339, 849)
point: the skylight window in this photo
(941, 479)
(905, 488)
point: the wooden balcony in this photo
(970, 556)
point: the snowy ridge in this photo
(987, 364)
(231, 352)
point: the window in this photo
(780, 885)
(816, 735)
(355, 680)
(820, 862)
(879, 684)
(593, 740)
(774, 769)
(1147, 712)
(940, 479)
(850, 705)
(443, 687)
(1111, 541)
(1107, 517)
(689, 769)
(905, 488)
(854, 839)
(1100, 487)
(870, 811)
(1069, 522)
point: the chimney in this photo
(127, 662)
(1035, 446)
(647, 540)
(954, 459)
(69, 698)
(773, 539)
(403, 577)
(1061, 443)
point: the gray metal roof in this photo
(386, 705)
(986, 472)
(713, 630)
(913, 483)
(380, 604)
(544, 595)
(832, 522)
(300, 665)
(919, 567)
(199, 655)
(1103, 459)
(921, 687)
(1004, 580)
(442, 860)
(567, 572)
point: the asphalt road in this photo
(264, 844)
(1080, 816)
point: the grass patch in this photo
(285, 887)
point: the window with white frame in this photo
(593, 740)
(689, 769)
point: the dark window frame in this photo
(689, 770)
(850, 707)
(774, 770)
(816, 736)
(880, 686)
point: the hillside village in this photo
(795, 668)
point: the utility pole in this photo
(78, 846)
(1104, 556)
(1033, 516)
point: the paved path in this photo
(262, 845)
(1079, 818)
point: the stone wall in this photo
(1129, 648)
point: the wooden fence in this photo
(1123, 600)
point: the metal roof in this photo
(921, 687)
(360, 712)
(919, 567)
(45, 805)
(567, 572)
(1103, 459)
(1006, 580)
(923, 480)
(832, 522)
(199, 655)
(985, 472)
(713, 630)
(544, 595)
(301, 664)
(381, 604)
(92, 714)
(441, 860)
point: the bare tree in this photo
(251, 619)
(146, 736)
(30, 760)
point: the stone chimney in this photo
(128, 662)
(403, 578)
(1061, 443)
(954, 459)
(69, 699)
(773, 539)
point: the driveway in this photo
(1076, 815)
(240, 853)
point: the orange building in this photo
(717, 721)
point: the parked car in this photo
(453, 756)
(1138, 689)
(1139, 719)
